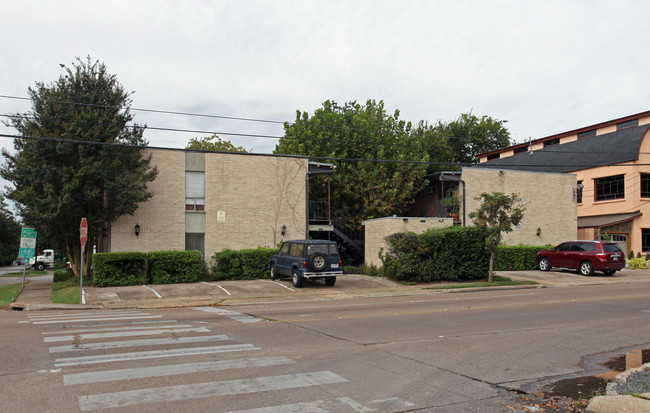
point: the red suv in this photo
(584, 256)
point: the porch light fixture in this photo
(137, 230)
(284, 230)
(405, 219)
(539, 231)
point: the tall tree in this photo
(470, 135)
(9, 234)
(498, 213)
(56, 183)
(346, 135)
(213, 143)
(436, 143)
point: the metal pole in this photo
(24, 270)
(81, 276)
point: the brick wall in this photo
(376, 231)
(549, 199)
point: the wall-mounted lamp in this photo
(137, 230)
(405, 219)
(539, 232)
(284, 230)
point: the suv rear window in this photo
(326, 249)
(612, 248)
(583, 246)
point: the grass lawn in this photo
(66, 292)
(29, 273)
(9, 293)
(497, 282)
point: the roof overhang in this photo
(600, 221)
(316, 168)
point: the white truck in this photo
(43, 261)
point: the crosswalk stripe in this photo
(133, 328)
(83, 320)
(143, 355)
(120, 334)
(41, 317)
(138, 343)
(171, 370)
(313, 407)
(202, 390)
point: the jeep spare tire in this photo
(317, 262)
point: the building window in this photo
(195, 242)
(645, 185)
(645, 240)
(579, 192)
(493, 156)
(520, 150)
(611, 187)
(627, 124)
(194, 191)
(587, 134)
(551, 142)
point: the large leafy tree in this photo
(466, 137)
(498, 213)
(213, 143)
(57, 182)
(359, 139)
(9, 234)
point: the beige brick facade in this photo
(376, 231)
(248, 198)
(549, 198)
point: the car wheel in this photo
(330, 281)
(544, 264)
(274, 272)
(297, 279)
(586, 268)
(317, 262)
(609, 272)
(40, 266)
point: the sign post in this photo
(83, 237)
(27, 247)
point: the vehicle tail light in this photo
(601, 256)
(340, 264)
(304, 264)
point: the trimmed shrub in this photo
(638, 263)
(119, 268)
(438, 254)
(62, 275)
(170, 267)
(247, 264)
(517, 258)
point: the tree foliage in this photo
(498, 213)
(9, 235)
(465, 138)
(56, 183)
(360, 190)
(213, 143)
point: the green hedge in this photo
(119, 268)
(170, 267)
(438, 254)
(247, 264)
(517, 258)
(62, 275)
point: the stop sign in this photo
(83, 232)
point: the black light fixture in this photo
(539, 231)
(137, 230)
(284, 230)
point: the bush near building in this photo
(246, 264)
(517, 258)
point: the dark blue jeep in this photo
(300, 259)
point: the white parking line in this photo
(144, 355)
(217, 285)
(202, 390)
(281, 285)
(137, 343)
(154, 291)
(115, 334)
(171, 370)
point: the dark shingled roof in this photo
(599, 150)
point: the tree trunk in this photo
(74, 255)
(491, 269)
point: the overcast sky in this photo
(543, 66)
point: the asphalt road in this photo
(437, 353)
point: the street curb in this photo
(502, 287)
(52, 306)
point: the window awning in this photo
(599, 221)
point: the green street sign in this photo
(27, 243)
